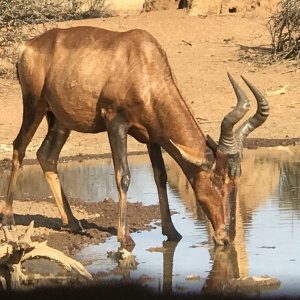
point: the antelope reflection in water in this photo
(289, 185)
(260, 178)
(262, 174)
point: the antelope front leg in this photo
(117, 133)
(160, 177)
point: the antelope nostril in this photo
(217, 242)
(226, 242)
(221, 240)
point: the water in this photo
(268, 224)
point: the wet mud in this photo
(97, 229)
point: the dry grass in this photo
(284, 27)
(19, 19)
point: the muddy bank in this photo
(98, 219)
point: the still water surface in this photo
(267, 216)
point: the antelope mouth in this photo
(221, 242)
(221, 237)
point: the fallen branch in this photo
(42, 250)
(16, 251)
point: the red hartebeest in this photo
(93, 80)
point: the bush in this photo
(284, 27)
(19, 19)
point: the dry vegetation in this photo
(19, 18)
(284, 27)
(16, 250)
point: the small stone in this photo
(193, 277)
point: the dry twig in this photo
(14, 252)
(19, 19)
(284, 27)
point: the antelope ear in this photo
(211, 144)
(188, 155)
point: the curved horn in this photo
(257, 119)
(227, 141)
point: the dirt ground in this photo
(200, 51)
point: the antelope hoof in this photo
(126, 241)
(173, 235)
(8, 220)
(76, 227)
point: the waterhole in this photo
(267, 225)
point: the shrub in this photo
(284, 27)
(19, 19)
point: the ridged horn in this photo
(257, 119)
(227, 140)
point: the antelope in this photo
(93, 80)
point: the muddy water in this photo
(267, 225)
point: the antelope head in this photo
(215, 184)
